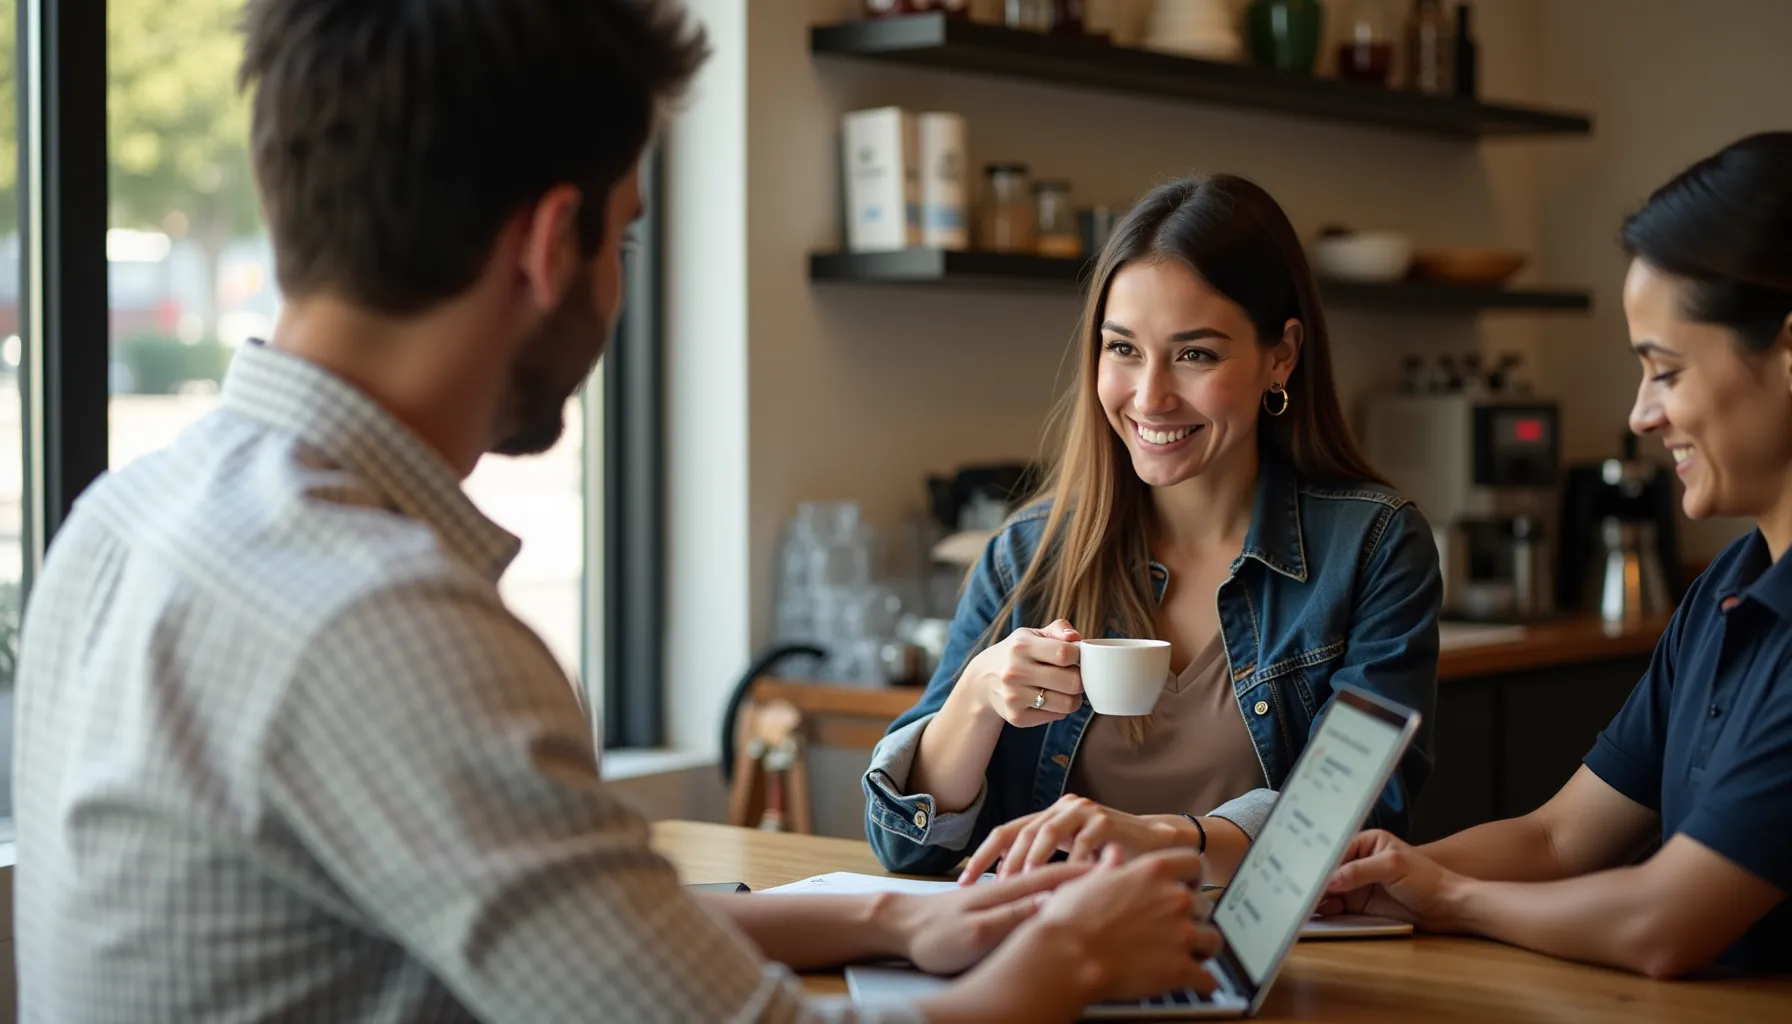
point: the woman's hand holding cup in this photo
(1032, 677)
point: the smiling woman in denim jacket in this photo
(1207, 493)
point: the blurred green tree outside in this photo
(177, 129)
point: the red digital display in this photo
(1530, 431)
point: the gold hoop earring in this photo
(1276, 388)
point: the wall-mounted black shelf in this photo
(937, 41)
(947, 267)
(941, 268)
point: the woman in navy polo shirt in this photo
(1702, 750)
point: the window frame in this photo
(63, 301)
(632, 561)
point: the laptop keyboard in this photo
(1186, 997)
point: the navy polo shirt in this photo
(1706, 737)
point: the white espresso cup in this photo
(1124, 677)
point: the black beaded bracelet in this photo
(1199, 828)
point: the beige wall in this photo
(860, 391)
(1668, 81)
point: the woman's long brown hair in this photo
(1091, 564)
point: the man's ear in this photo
(549, 254)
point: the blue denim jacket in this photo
(1334, 585)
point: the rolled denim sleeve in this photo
(913, 816)
(902, 827)
(1393, 648)
(1248, 811)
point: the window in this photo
(13, 499)
(191, 276)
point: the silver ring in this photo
(1039, 700)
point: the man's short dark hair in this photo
(393, 138)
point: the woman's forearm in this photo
(1509, 850)
(955, 750)
(1226, 845)
(1601, 918)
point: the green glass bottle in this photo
(1284, 34)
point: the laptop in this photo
(1279, 883)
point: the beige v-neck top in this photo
(1197, 753)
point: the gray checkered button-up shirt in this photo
(283, 755)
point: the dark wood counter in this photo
(1552, 645)
(1515, 719)
(1549, 645)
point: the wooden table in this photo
(1420, 979)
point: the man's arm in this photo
(942, 933)
(810, 932)
(432, 758)
(1664, 918)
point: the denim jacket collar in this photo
(1274, 537)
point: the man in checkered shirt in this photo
(283, 753)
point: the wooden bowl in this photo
(1467, 264)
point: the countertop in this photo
(1547, 645)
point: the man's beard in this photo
(543, 408)
(541, 379)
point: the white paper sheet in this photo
(849, 883)
(842, 883)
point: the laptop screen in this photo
(1319, 810)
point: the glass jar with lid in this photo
(1031, 15)
(1055, 220)
(1366, 53)
(1007, 208)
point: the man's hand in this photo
(1135, 927)
(1382, 875)
(950, 932)
(1124, 930)
(1078, 826)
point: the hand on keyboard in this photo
(1136, 924)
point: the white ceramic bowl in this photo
(1366, 256)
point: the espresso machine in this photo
(1485, 471)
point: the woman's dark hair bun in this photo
(1725, 226)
